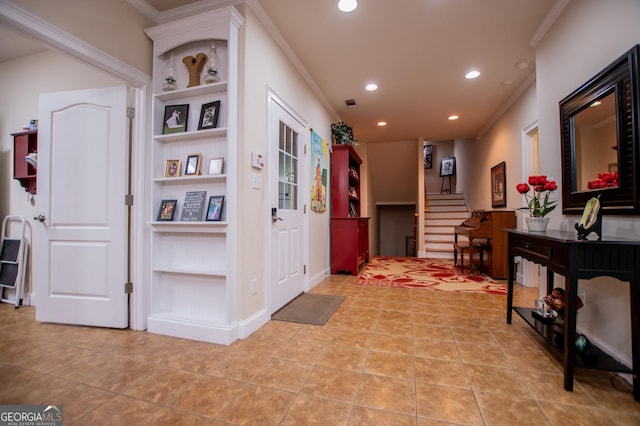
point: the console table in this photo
(562, 253)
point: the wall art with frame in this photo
(175, 118)
(428, 156)
(498, 185)
(209, 115)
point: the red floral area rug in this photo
(429, 274)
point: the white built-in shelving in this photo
(194, 263)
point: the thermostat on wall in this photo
(256, 160)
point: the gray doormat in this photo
(309, 308)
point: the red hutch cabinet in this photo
(349, 231)
(25, 143)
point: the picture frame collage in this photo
(193, 208)
(176, 117)
(193, 166)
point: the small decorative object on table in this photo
(557, 303)
(591, 220)
(538, 206)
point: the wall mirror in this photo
(600, 147)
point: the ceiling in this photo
(417, 51)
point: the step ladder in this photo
(13, 254)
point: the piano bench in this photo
(463, 247)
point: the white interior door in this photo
(287, 224)
(532, 273)
(80, 247)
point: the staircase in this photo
(446, 211)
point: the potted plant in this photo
(343, 133)
(538, 203)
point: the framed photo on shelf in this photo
(193, 165)
(175, 118)
(448, 166)
(216, 166)
(352, 192)
(214, 210)
(167, 210)
(209, 115)
(172, 168)
(193, 207)
(498, 185)
(353, 173)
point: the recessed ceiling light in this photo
(522, 63)
(453, 117)
(371, 87)
(347, 5)
(507, 83)
(382, 123)
(472, 74)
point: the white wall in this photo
(503, 142)
(588, 35)
(264, 66)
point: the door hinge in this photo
(304, 209)
(128, 288)
(131, 112)
(128, 199)
(304, 269)
(305, 148)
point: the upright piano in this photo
(488, 225)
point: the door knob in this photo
(274, 215)
(40, 218)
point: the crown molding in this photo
(548, 21)
(59, 40)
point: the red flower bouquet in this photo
(538, 204)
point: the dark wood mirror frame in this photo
(621, 77)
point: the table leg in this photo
(510, 287)
(571, 298)
(635, 337)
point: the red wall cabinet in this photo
(25, 143)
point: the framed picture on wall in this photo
(448, 166)
(498, 185)
(428, 156)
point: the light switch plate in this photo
(256, 181)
